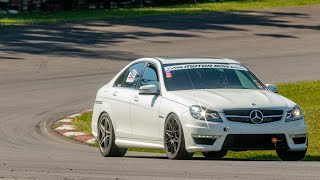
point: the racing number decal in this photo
(132, 75)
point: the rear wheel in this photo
(174, 142)
(106, 138)
(286, 155)
(215, 154)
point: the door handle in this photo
(136, 98)
(114, 93)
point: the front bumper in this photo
(289, 135)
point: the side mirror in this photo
(272, 88)
(149, 90)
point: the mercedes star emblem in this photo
(256, 116)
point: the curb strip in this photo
(65, 128)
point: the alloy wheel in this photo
(104, 136)
(172, 136)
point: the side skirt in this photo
(138, 143)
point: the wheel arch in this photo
(105, 112)
(180, 110)
(98, 111)
(181, 121)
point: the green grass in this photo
(83, 122)
(228, 5)
(306, 94)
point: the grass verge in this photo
(80, 15)
(306, 94)
(83, 122)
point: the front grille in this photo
(255, 142)
(243, 116)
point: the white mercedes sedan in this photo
(187, 105)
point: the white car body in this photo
(139, 120)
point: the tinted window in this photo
(150, 76)
(130, 77)
(209, 76)
(247, 81)
(121, 79)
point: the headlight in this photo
(202, 113)
(295, 114)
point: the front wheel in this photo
(106, 138)
(174, 142)
(215, 154)
(286, 155)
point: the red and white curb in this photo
(65, 127)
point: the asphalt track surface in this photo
(49, 71)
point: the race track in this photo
(50, 71)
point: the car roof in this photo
(171, 60)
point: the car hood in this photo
(220, 99)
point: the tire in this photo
(215, 154)
(286, 155)
(174, 142)
(106, 138)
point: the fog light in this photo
(300, 140)
(203, 136)
(206, 136)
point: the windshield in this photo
(209, 76)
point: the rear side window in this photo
(119, 82)
(130, 77)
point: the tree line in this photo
(52, 5)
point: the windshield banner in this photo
(197, 66)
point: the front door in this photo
(145, 108)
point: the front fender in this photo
(168, 107)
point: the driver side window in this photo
(150, 76)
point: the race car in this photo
(187, 105)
